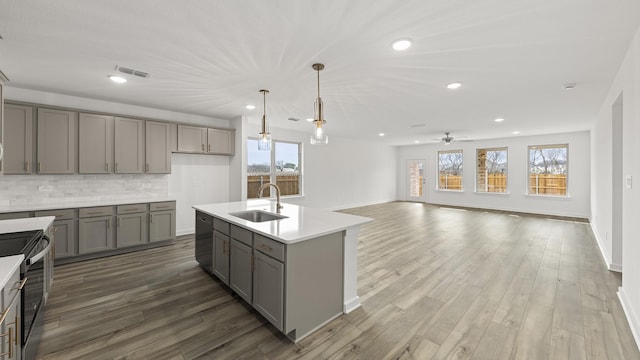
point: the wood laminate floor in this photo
(435, 283)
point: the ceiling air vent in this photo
(129, 71)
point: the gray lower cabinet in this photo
(18, 141)
(162, 225)
(10, 324)
(221, 255)
(57, 131)
(64, 238)
(268, 288)
(95, 230)
(240, 270)
(131, 230)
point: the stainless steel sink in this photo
(257, 215)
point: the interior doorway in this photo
(617, 184)
(416, 189)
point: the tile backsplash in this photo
(16, 190)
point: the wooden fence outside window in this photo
(289, 185)
(539, 184)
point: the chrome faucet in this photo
(261, 189)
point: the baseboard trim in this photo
(632, 319)
(615, 267)
(351, 305)
(185, 232)
(607, 261)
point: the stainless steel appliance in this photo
(35, 246)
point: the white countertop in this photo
(303, 223)
(8, 265)
(81, 204)
(26, 224)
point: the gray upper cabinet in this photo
(192, 139)
(56, 141)
(129, 146)
(158, 147)
(220, 141)
(95, 144)
(18, 139)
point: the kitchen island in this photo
(298, 267)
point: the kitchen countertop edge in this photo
(81, 204)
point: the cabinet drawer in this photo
(16, 215)
(243, 235)
(95, 211)
(269, 247)
(221, 225)
(62, 214)
(167, 205)
(132, 208)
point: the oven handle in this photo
(42, 253)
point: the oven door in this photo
(33, 296)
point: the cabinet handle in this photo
(94, 213)
(39, 167)
(202, 147)
(118, 222)
(116, 169)
(17, 329)
(106, 167)
(9, 334)
(24, 281)
(147, 167)
(151, 218)
(264, 247)
(209, 147)
(166, 207)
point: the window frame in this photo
(273, 173)
(438, 188)
(528, 178)
(506, 187)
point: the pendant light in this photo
(264, 141)
(319, 136)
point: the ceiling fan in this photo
(447, 139)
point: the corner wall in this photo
(627, 83)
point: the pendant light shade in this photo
(319, 135)
(264, 139)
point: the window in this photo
(450, 170)
(492, 170)
(548, 170)
(280, 166)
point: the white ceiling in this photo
(211, 58)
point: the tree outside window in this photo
(450, 170)
(548, 169)
(492, 170)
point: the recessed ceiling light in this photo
(499, 120)
(516, 132)
(309, 119)
(250, 107)
(381, 134)
(417, 142)
(117, 79)
(569, 86)
(402, 44)
(453, 86)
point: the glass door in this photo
(416, 181)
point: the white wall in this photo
(627, 83)
(576, 205)
(342, 174)
(196, 179)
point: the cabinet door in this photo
(56, 141)
(221, 256)
(162, 225)
(95, 234)
(64, 238)
(131, 229)
(18, 139)
(268, 288)
(241, 270)
(191, 138)
(158, 144)
(129, 146)
(95, 144)
(220, 141)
